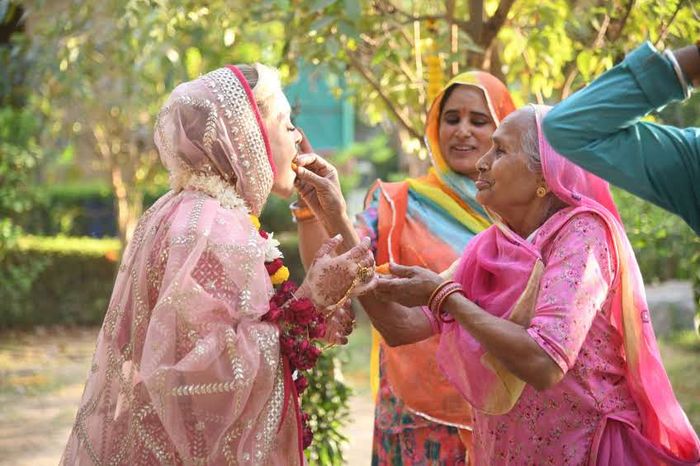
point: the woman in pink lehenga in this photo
(545, 329)
(189, 366)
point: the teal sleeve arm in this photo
(599, 128)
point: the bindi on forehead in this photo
(466, 111)
(466, 99)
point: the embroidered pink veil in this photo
(494, 271)
(184, 371)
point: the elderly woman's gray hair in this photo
(529, 143)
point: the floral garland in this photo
(300, 323)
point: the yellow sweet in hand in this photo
(383, 269)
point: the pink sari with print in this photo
(185, 371)
(498, 266)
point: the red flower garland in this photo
(300, 324)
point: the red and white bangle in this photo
(439, 296)
(436, 291)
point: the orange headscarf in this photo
(427, 222)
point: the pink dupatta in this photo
(184, 371)
(495, 269)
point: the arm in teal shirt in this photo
(599, 128)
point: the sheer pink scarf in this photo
(494, 271)
(184, 371)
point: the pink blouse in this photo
(572, 324)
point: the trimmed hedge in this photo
(72, 286)
(88, 210)
(72, 279)
(85, 209)
(69, 245)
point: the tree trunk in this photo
(128, 202)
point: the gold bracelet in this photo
(363, 273)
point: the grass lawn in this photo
(681, 356)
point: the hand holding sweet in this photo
(318, 186)
(409, 286)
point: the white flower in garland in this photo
(272, 250)
(227, 197)
(216, 188)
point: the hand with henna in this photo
(332, 280)
(340, 324)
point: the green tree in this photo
(543, 49)
(19, 155)
(107, 66)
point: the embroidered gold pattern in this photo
(153, 335)
(246, 134)
(270, 416)
(209, 136)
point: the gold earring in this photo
(541, 191)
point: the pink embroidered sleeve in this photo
(578, 273)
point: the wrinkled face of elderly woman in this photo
(506, 185)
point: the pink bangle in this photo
(440, 298)
(437, 290)
(442, 291)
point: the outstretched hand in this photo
(408, 286)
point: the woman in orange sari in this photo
(419, 417)
(427, 221)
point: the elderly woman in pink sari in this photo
(200, 356)
(544, 325)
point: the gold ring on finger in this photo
(365, 274)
